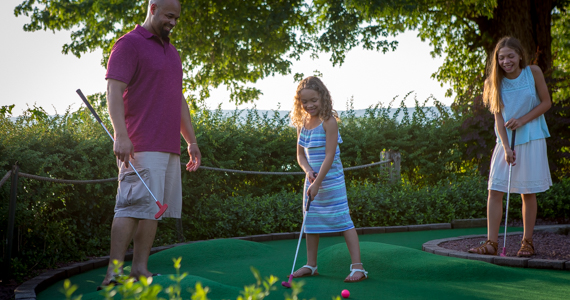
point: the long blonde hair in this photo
(298, 114)
(495, 74)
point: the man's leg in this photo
(143, 240)
(122, 232)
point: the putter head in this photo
(161, 210)
(504, 253)
(287, 284)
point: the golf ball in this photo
(345, 293)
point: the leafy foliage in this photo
(143, 289)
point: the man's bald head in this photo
(161, 3)
(162, 17)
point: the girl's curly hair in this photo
(298, 115)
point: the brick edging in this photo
(520, 262)
(28, 289)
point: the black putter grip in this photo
(89, 105)
(309, 203)
(513, 139)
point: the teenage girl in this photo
(318, 155)
(518, 97)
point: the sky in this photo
(36, 72)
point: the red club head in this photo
(161, 210)
(504, 253)
(287, 284)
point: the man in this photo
(148, 112)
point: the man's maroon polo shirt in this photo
(153, 74)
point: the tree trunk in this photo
(541, 14)
(527, 20)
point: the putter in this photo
(504, 253)
(161, 208)
(287, 284)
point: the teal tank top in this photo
(519, 97)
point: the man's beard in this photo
(164, 34)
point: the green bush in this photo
(56, 222)
(407, 204)
(371, 204)
(428, 141)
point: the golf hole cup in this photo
(345, 293)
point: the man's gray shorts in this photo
(161, 173)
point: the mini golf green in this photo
(398, 270)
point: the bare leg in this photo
(351, 239)
(312, 250)
(143, 240)
(529, 210)
(122, 232)
(494, 214)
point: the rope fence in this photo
(389, 157)
(68, 181)
(287, 173)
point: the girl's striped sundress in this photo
(329, 210)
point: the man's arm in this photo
(187, 131)
(123, 147)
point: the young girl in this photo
(318, 155)
(518, 96)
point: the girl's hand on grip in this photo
(313, 190)
(510, 157)
(312, 176)
(513, 124)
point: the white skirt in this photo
(530, 174)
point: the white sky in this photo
(34, 71)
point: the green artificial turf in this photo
(398, 270)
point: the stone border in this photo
(28, 289)
(518, 262)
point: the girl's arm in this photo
(331, 134)
(544, 97)
(302, 159)
(501, 129)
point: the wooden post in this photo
(397, 158)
